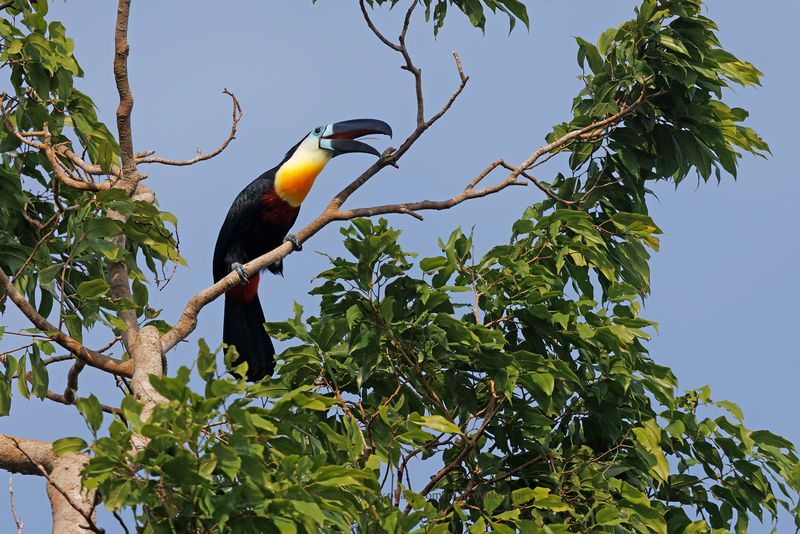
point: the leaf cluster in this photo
(56, 241)
(475, 10)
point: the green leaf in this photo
(90, 409)
(491, 500)
(522, 495)
(92, 289)
(437, 423)
(5, 398)
(65, 446)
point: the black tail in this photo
(243, 327)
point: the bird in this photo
(259, 220)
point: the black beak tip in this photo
(344, 135)
(361, 127)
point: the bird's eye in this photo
(317, 130)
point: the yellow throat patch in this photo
(294, 179)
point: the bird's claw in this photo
(292, 238)
(239, 268)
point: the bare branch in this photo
(120, 521)
(403, 50)
(130, 177)
(188, 319)
(61, 399)
(375, 30)
(413, 207)
(93, 358)
(17, 520)
(546, 190)
(125, 107)
(410, 67)
(86, 167)
(70, 400)
(237, 116)
(454, 96)
(61, 358)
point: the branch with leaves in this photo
(389, 372)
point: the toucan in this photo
(259, 220)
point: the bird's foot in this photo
(292, 238)
(239, 268)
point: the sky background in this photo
(724, 289)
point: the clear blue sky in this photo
(724, 284)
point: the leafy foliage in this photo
(520, 379)
(540, 406)
(475, 10)
(56, 241)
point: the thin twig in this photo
(59, 358)
(17, 520)
(237, 116)
(120, 521)
(435, 442)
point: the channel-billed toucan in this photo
(259, 221)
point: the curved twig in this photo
(237, 116)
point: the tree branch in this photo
(93, 358)
(65, 469)
(52, 152)
(237, 116)
(187, 322)
(125, 107)
(72, 380)
(148, 360)
(19, 455)
(468, 446)
(17, 520)
(68, 399)
(130, 177)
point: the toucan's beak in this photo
(340, 137)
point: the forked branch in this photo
(333, 212)
(187, 322)
(91, 357)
